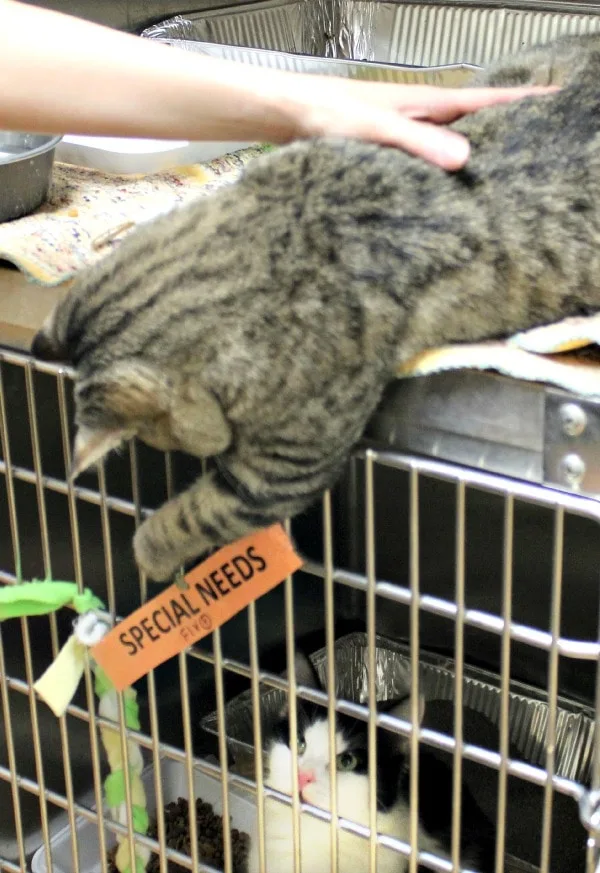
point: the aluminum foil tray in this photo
(528, 707)
(417, 34)
(448, 75)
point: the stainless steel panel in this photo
(572, 443)
(494, 423)
(481, 420)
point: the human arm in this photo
(69, 75)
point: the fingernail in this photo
(455, 152)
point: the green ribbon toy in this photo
(60, 681)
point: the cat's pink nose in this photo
(305, 777)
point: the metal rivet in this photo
(573, 468)
(573, 419)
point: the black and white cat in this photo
(393, 780)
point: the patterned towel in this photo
(88, 212)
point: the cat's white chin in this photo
(314, 797)
(315, 843)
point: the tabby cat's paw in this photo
(155, 561)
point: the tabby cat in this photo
(261, 325)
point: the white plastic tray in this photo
(124, 156)
(174, 783)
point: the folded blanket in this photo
(565, 354)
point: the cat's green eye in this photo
(347, 761)
(301, 746)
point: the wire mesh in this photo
(395, 553)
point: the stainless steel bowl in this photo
(26, 161)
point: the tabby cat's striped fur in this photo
(262, 324)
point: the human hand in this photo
(60, 81)
(410, 117)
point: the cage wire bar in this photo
(41, 502)
(378, 593)
(507, 566)
(590, 803)
(152, 693)
(371, 663)
(459, 654)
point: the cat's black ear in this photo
(305, 675)
(402, 709)
(305, 672)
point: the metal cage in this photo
(479, 590)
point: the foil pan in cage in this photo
(528, 712)
(422, 34)
(324, 28)
(443, 76)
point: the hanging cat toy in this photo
(189, 609)
(57, 686)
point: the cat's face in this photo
(351, 759)
(314, 760)
(133, 397)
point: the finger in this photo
(439, 146)
(445, 104)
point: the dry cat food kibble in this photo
(210, 838)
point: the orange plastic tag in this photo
(218, 588)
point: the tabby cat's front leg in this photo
(210, 513)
